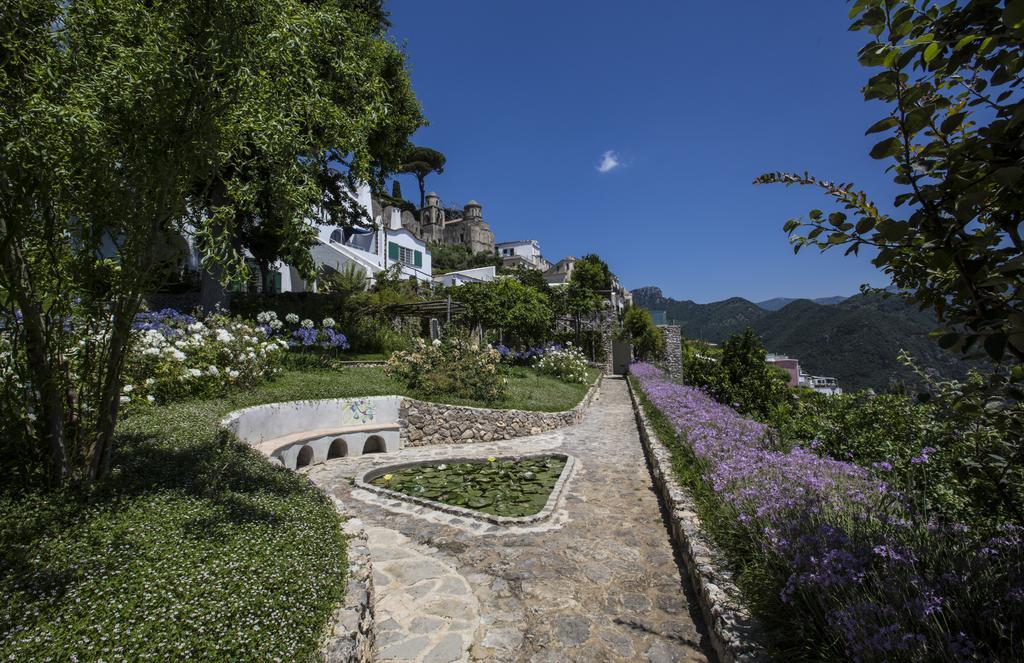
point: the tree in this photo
(92, 188)
(454, 257)
(748, 383)
(508, 307)
(576, 301)
(648, 341)
(592, 273)
(533, 278)
(951, 75)
(421, 161)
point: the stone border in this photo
(427, 424)
(363, 481)
(350, 634)
(736, 635)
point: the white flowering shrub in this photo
(304, 334)
(567, 364)
(176, 355)
(455, 367)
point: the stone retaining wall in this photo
(425, 424)
(350, 633)
(735, 634)
(673, 350)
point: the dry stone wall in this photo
(673, 350)
(425, 424)
(351, 631)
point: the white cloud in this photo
(609, 162)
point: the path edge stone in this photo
(736, 635)
(351, 631)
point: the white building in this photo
(523, 253)
(369, 249)
(461, 277)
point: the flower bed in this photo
(835, 562)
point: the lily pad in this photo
(512, 488)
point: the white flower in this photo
(151, 351)
(212, 370)
(329, 322)
(436, 342)
(196, 327)
(224, 337)
(127, 388)
(291, 318)
(276, 324)
(195, 372)
(308, 324)
(178, 355)
(232, 373)
(150, 382)
(150, 398)
(126, 399)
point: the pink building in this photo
(791, 366)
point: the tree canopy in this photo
(422, 161)
(128, 122)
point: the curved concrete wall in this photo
(259, 423)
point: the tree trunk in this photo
(423, 189)
(43, 370)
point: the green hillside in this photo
(857, 340)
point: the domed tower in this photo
(432, 219)
(478, 235)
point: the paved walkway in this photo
(596, 582)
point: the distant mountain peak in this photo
(777, 303)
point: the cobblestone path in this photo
(597, 582)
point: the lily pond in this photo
(511, 488)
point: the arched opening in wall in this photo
(305, 457)
(338, 449)
(374, 445)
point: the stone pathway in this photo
(598, 581)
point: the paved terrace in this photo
(597, 582)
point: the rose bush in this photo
(454, 367)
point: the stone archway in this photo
(338, 449)
(305, 456)
(374, 445)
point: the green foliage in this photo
(511, 488)
(740, 377)
(421, 161)
(348, 282)
(455, 257)
(533, 278)
(648, 341)
(592, 273)
(84, 173)
(191, 547)
(454, 367)
(507, 306)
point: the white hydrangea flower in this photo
(212, 370)
(197, 327)
(329, 322)
(291, 318)
(308, 324)
(195, 372)
(276, 324)
(232, 373)
(127, 388)
(126, 399)
(224, 336)
(150, 352)
(150, 398)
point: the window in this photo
(405, 255)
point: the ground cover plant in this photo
(507, 487)
(193, 547)
(835, 561)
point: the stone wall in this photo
(426, 424)
(735, 634)
(350, 634)
(673, 350)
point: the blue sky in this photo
(683, 102)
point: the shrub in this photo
(175, 355)
(833, 559)
(567, 364)
(303, 334)
(454, 367)
(507, 306)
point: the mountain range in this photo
(856, 340)
(778, 302)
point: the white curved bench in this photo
(299, 433)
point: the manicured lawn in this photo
(195, 547)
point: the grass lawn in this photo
(195, 547)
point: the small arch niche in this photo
(305, 457)
(374, 445)
(338, 449)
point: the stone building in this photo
(434, 223)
